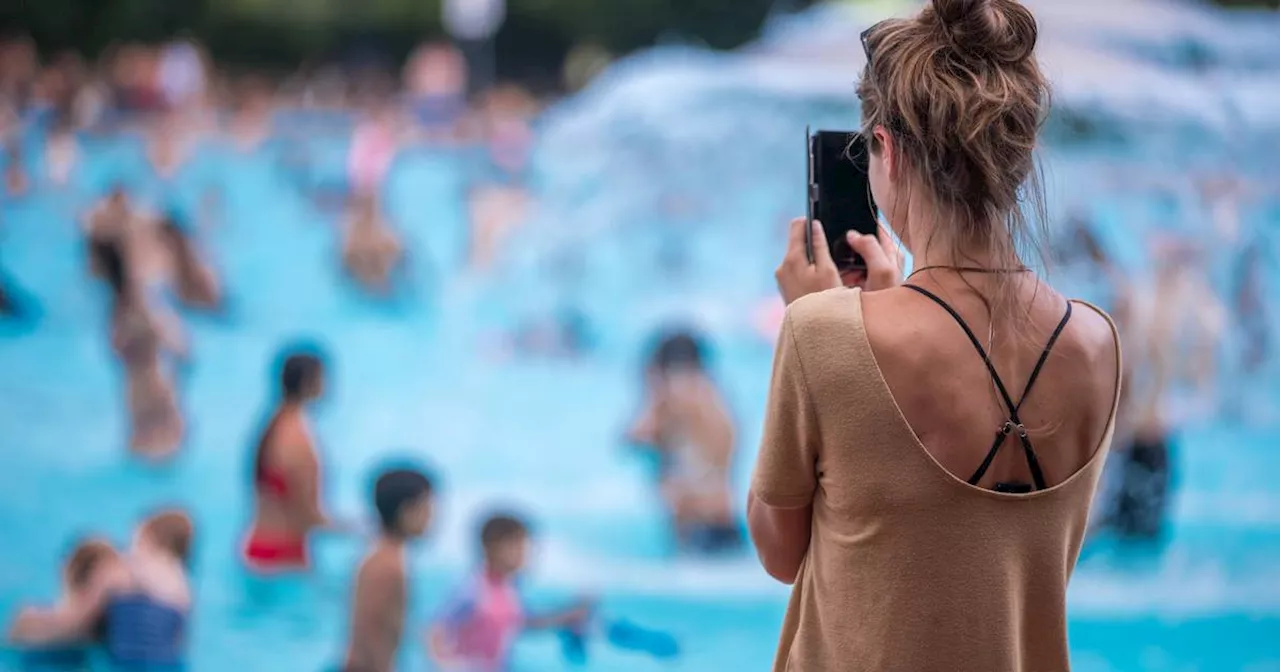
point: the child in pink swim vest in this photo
(480, 623)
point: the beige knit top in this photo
(909, 567)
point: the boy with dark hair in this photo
(479, 625)
(685, 423)
(404, 500)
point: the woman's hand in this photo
(795, 275)
(882, 257)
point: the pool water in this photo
(627, 236)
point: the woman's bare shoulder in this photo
(1093, 342)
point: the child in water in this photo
(404, 501)
(135, 605)
(685, 423)
(479, 625)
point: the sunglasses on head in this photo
(865, 36)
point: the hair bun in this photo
(999, 30)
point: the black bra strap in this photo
(991, 368)
(1014, 423)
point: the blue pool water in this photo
(411, 379)
(420, 376)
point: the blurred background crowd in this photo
(254, 248)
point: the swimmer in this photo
(435, 82)
(135, 605)
(16, 182)
(403, 499)
(479, 625)
(19, 65)
(250, 124)
(62, 151)
(374, 145)
(132, 72)
(169, 145)
(144, 339)
(507, 114)
(195, 283)
(494, 212)
(371, 251)
(286, 472)
(81, 572)
(1151, 321)
(501, 202)
(685, 422)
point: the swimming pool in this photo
(417, 377)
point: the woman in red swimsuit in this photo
(286, 473)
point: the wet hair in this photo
(396, 489)
(679, 350)
(86, 557)
(300, 367)
(502, 527)
(108, 256)
(959, 90)
(173, 531)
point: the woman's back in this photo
(925, 475)
(909, 567)
(948, 397)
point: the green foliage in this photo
(536, 38)
(294, 29)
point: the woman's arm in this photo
(307, 473)
(302, 468)
(781, 537)
(780, 502)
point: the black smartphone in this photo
(839, 193)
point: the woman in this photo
(286, 473)
(143, 340)
(135, 605)
(685, 422)
(916, 542)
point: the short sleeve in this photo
(786, 467)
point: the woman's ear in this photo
(888, 151)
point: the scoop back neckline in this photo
(936, 466)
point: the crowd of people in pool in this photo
(134, 602)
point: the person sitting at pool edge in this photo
(286, 471)
(135, 605)
(479, 625)
(403, 499)
(685, 422)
